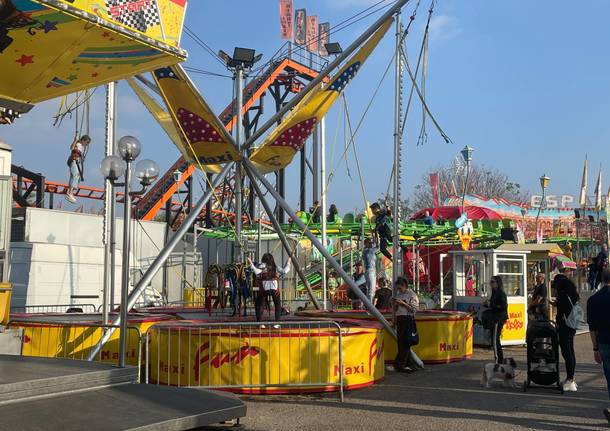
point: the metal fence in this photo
(263, 357)
(73, 340)
(62, 308)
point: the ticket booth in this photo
(470, 274)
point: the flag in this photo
(434, 189)
(582, 200)
(286, 19)
(324, 30)
(312, 33)
(598, 191)
(205, 138)
(280, 146)
(300, 26)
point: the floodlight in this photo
(333, 48)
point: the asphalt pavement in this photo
(444, 397)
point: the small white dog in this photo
(504, 372)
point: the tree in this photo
(482, 181)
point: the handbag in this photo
(576, 316)
(412, 334)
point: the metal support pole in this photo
(163, 255)
(108, 201)
(315, 188)
(125, 269)
(397, 258)
(283, 239)
(316, 243)
(322, 137)
(239, 81)
(303, 181)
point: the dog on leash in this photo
(504, 372)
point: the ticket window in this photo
(512, 271)
(471, 275)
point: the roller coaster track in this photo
(282, 69)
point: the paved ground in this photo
(444, 397)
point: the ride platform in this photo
(75, 395)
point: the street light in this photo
(147, 171)
(544, 183)
(467, 156)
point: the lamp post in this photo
(544, 183)
(147, 171)
(467, 156)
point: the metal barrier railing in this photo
(73, 340)
(260, 356)
(61, 308)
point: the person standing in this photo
(382, 229)
(601, 263)
(383, 296)
(269, 274)
(538, 306)
(598, 319)
(498, 309)
(333, 214)
(406, 304)
(78, 149)
(360, 281)
(566, 297)
(369, 256)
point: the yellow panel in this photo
(282, 144)
(207, 141)
(163, 18)
(49, 53)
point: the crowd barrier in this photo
(247, 357)
(61, 308)
(70, 340)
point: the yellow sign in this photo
(52, 48)
(227, 357)
(440, 340)
(288, 138)
(514, 329)
(76, 342)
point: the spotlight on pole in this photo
(243, 58)
(333, 48)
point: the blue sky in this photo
(523, 82)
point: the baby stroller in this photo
(542, 355)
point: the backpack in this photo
(576, 316)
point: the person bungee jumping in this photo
(382, 229)
(78, 151)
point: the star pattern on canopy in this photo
(296, 136)
(345, 77)
(196, 128)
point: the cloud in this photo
(444, 28)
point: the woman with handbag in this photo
(566, 298)
(406, 304)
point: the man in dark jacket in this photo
(601, 263)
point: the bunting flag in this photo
(280, 146)
(324, 31)
(434, 189)
(164, 119)
(312, 33)
(582, 200)
(300, 27)
(205, 138)
(598, 191)
(286, 19)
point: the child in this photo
(269, 274)
(75, 163)
(383, 295)
(405, 305)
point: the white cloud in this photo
(444, 28)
